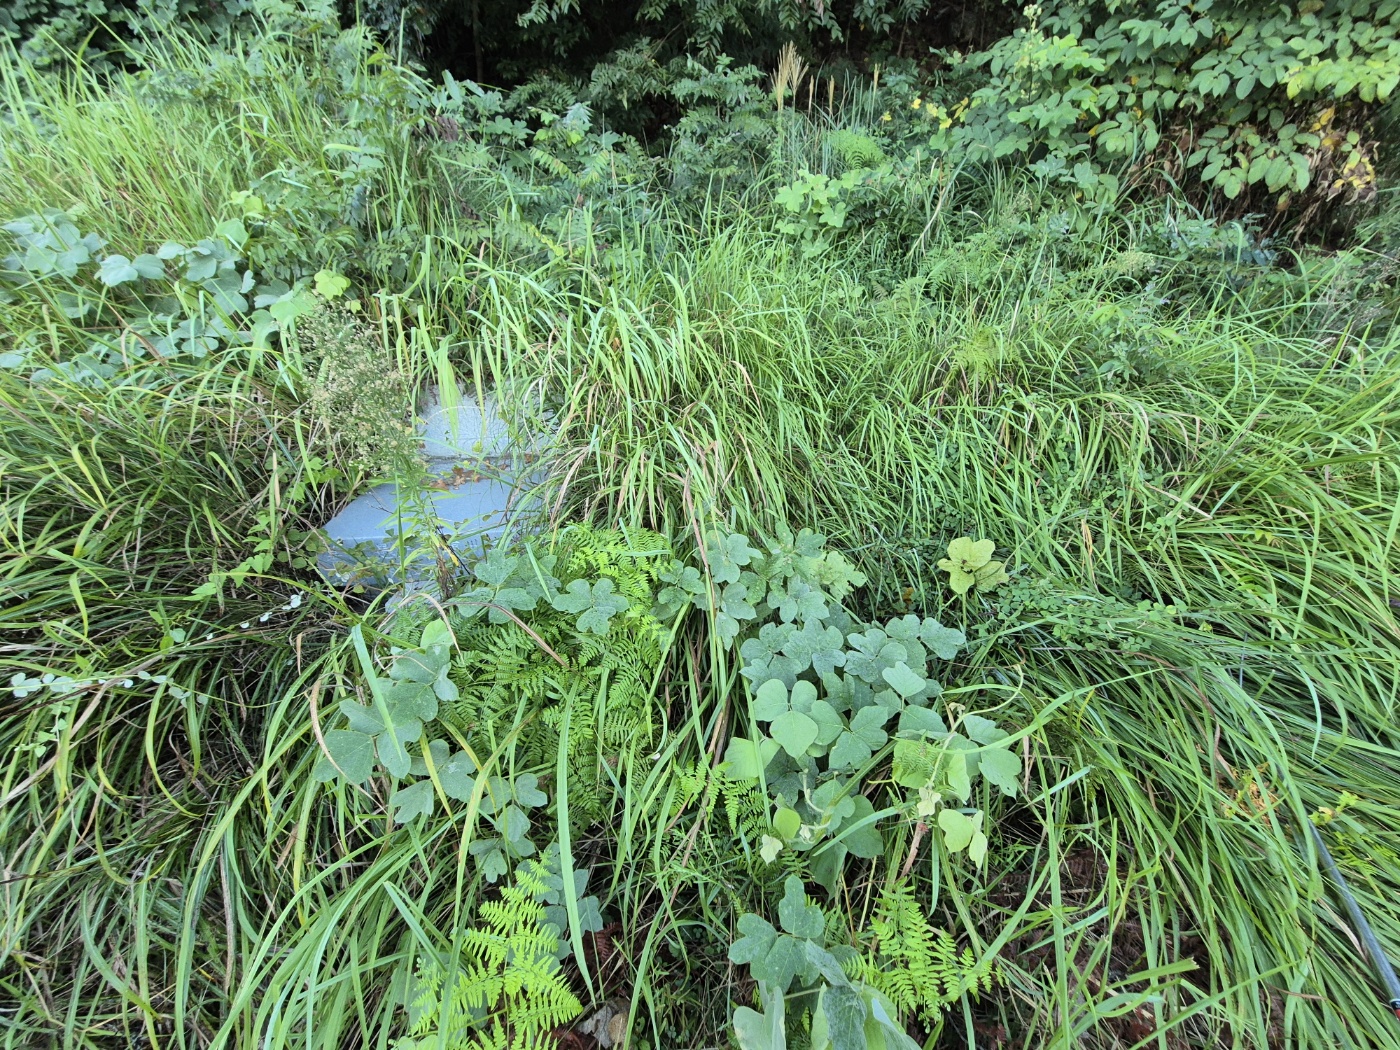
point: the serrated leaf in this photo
(796, 915)
(413, 800)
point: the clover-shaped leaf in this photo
(873, 654)
(437, 751)
(795, 731)
(684, 584)
(527, 792)
(745, 760)
(455, 776)
(865, 841)
(496, 568)
(726, 555)
(361, 719)
(856, 746)
(969, 563)
(817, 646)
(800, 601)
(490, 858)
(770, 700)
(943, 642)
(597, 604)
(963, 831)
(969, 554)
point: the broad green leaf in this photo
(514, 825)
(117, 269)
(743, 760)
(958, 828)
(412, 800)
(438, 751)
(787, 823)
(1001, 767)
(762, 1031)
(844, 1012)
(829, 722)
(755, 941)
(794, 731)
(797, 916)
(903, 680)
(865, 842)
(456, 778)
(597, 604)
(352, 752)
(392, 752)
(816, 645)
(770, 700)
(361, 719)
(943, 642)
(921, 720)
(330, 284)
(981, 729)
(527, 792)
(990, 576)
(970, 554)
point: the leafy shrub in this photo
(1237, 94)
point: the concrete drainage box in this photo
(475, 482)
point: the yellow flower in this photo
(887, 116)
(917, 103)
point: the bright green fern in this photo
(507, 992)
(919, 968)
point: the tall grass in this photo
(1129, 431)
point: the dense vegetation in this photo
(964, 562)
